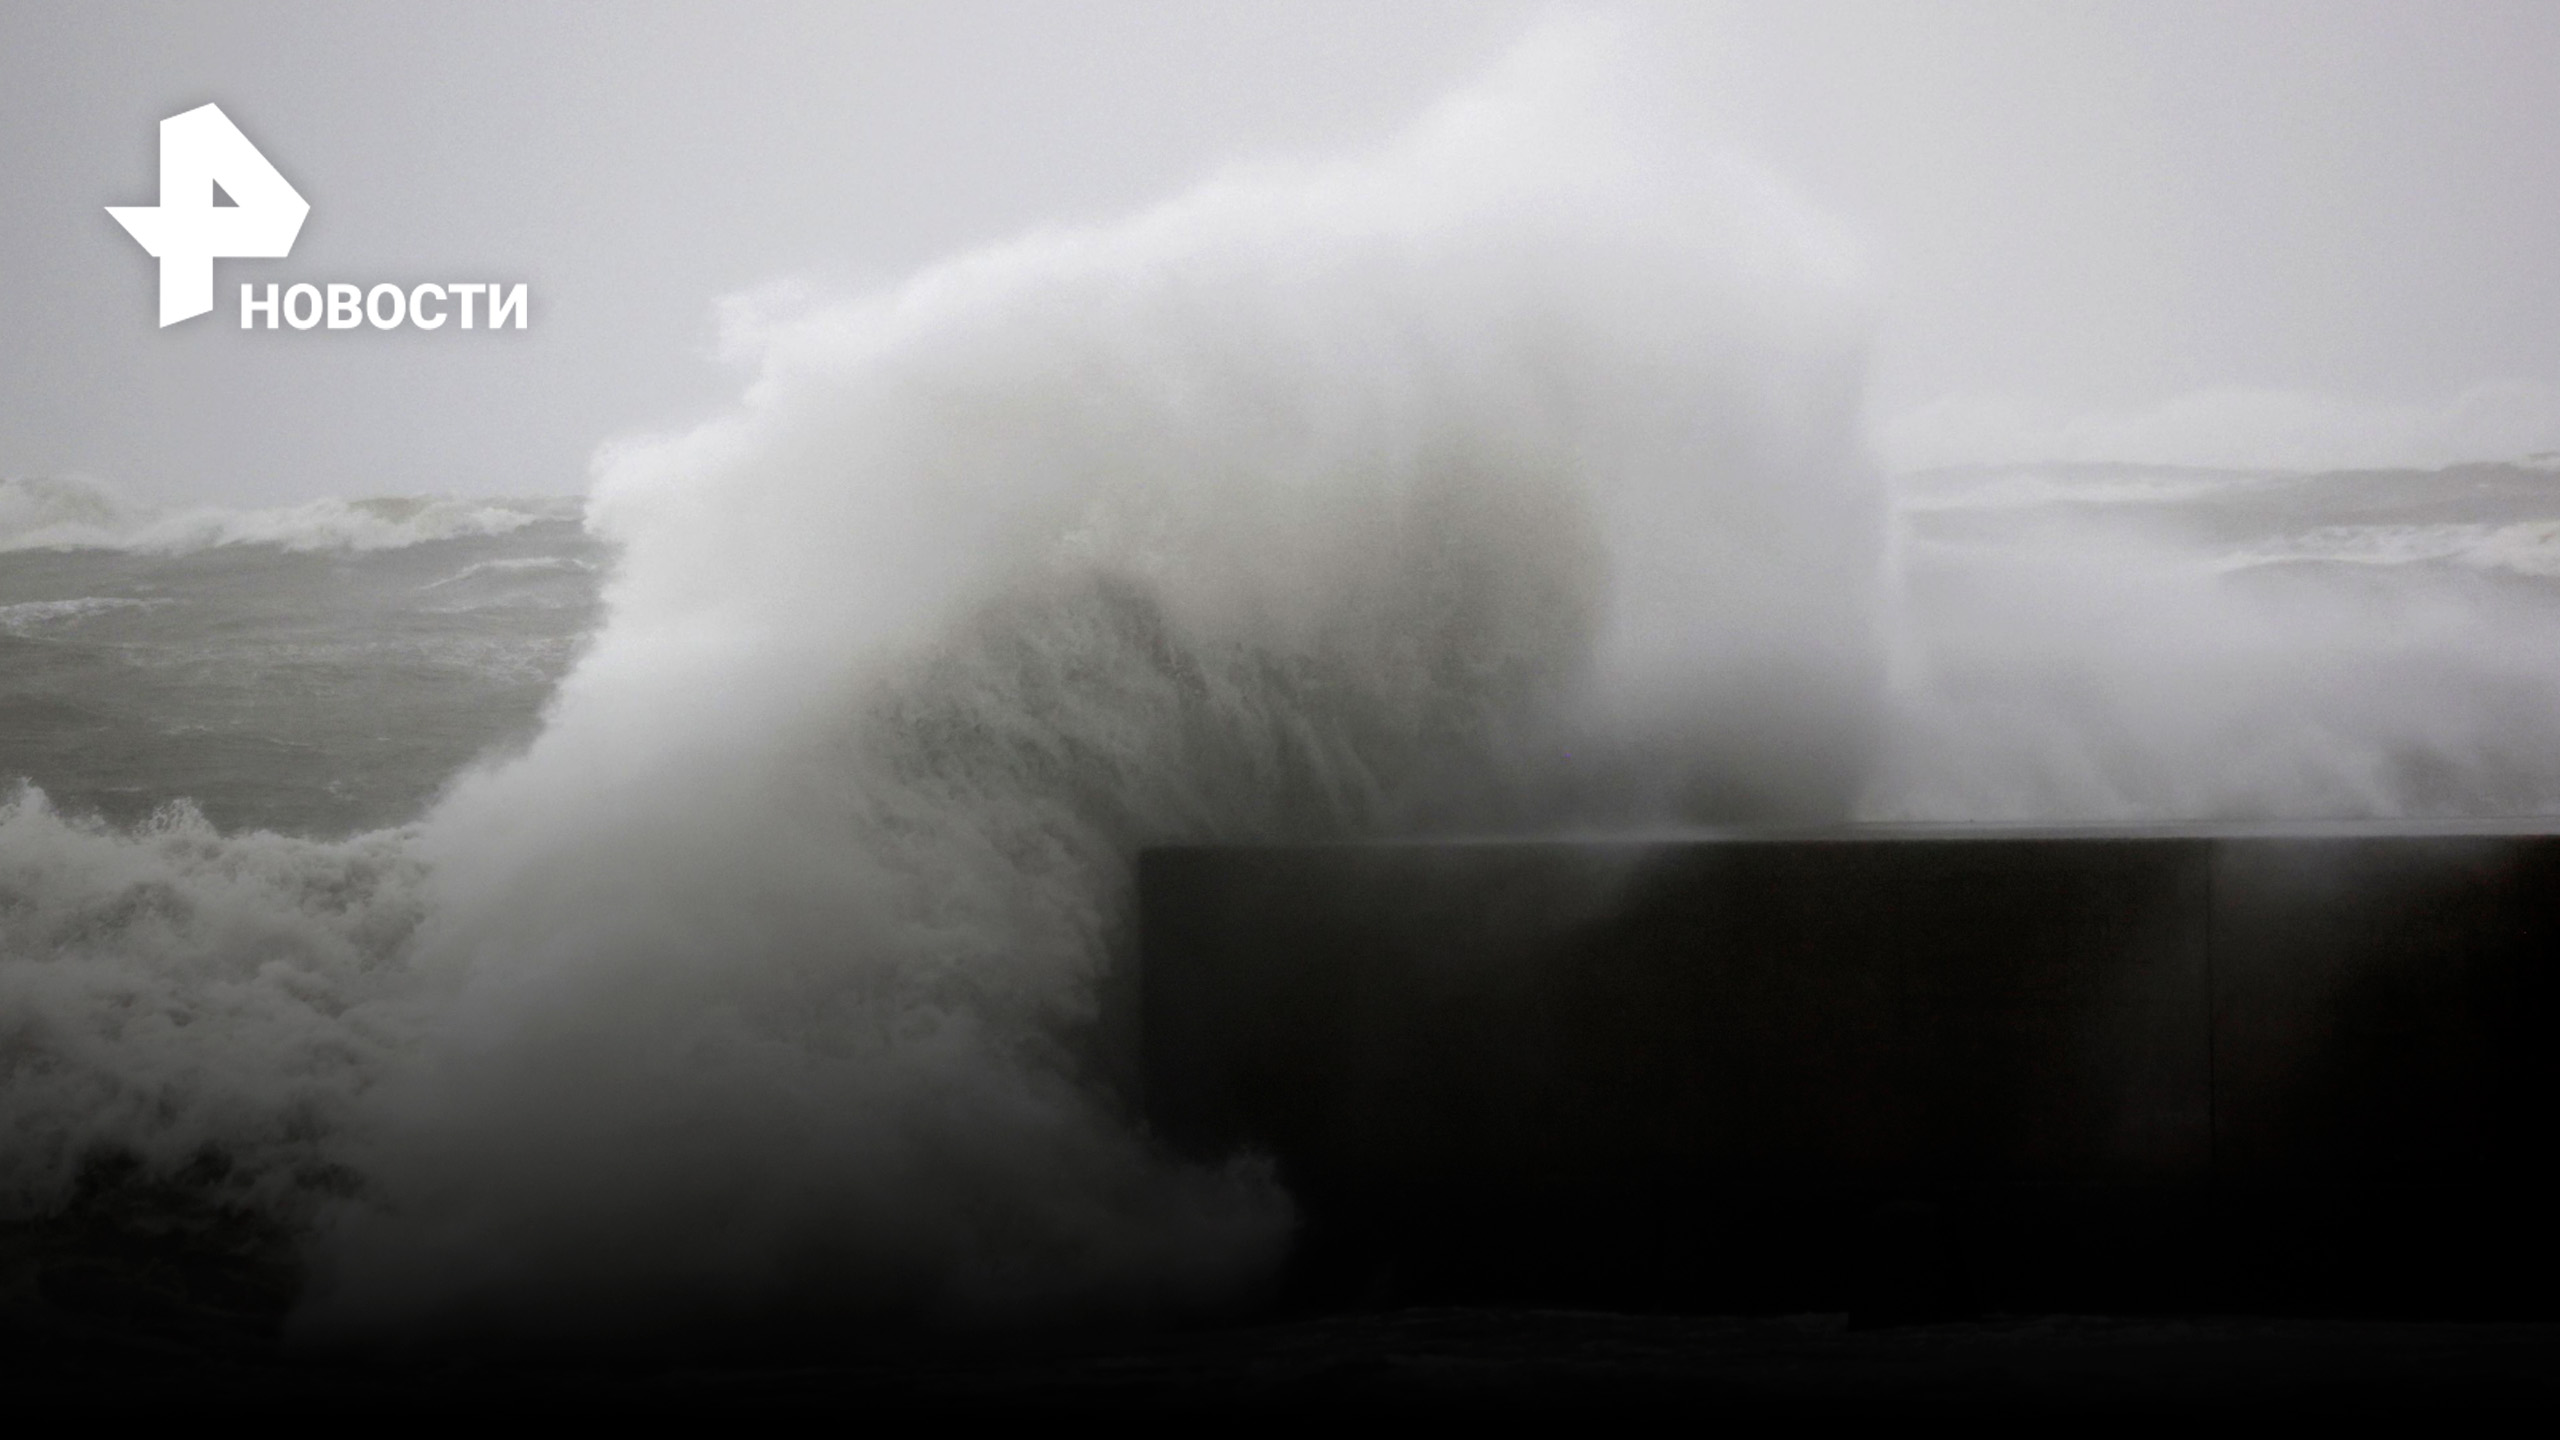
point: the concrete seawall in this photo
(1903, 1074)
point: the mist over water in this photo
(1329, 501)
(1508, 479)
(2117, 643)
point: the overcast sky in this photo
(2298, 232)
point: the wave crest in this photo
(1328, 501)
(68, 513)
(1507, 473)
(193, 1002)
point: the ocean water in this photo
(2129, 643)
(220, 903)
(313, 679)
(703, 901)
(282, 671)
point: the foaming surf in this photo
(1508, 470)
(1506, 478)
(67, 512)
(2081, 644)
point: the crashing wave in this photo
(193, 1002)
(1505, 472)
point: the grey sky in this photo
(2091, 208)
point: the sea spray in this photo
(1505, 479)
(1506, 475)
(2124, 643)
(1332, 500)
(191, 1003)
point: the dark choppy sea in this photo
(323, 681)
(2068, 644)
(326, 670)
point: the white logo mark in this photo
(188, 232)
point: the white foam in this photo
(1330, 499)
(1298, 506)
(60, 513)
(2524, 548)
(520, 565)
(29, 617)
(173, 994)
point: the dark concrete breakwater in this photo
(1904, 1074)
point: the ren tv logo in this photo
(204, 161)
